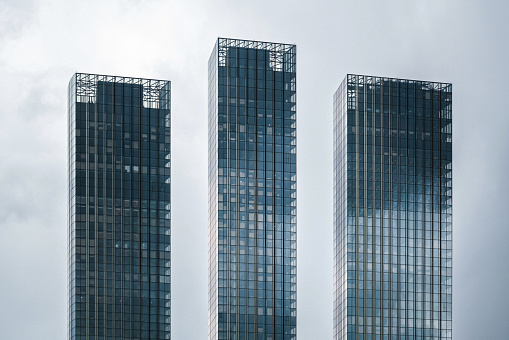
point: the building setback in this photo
(252, 190)
(392, 209)
(118, 208)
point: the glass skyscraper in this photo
(252, 191)
(118, 208)
(392, 209)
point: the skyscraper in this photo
(252, 190)
(118, 208)
(392, 209)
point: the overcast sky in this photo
(42, 43)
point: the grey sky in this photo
(42, 43)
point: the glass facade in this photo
(118, 208)
(252, 190)
(392, 209)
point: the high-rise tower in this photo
(392, 209)
(252, 190)
(118, 208)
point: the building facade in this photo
(392, 209)
(118, 208)
(252, 190)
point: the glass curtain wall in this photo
(118, 208)
(252, 190)
(392, 209)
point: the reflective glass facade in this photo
(392, 209)
(118, 208)
(252, 190)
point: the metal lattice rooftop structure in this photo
(424, 85)
(153, 89)
(281, 56)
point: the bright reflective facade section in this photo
(118, 208)
(392, 209)
(252, 190)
